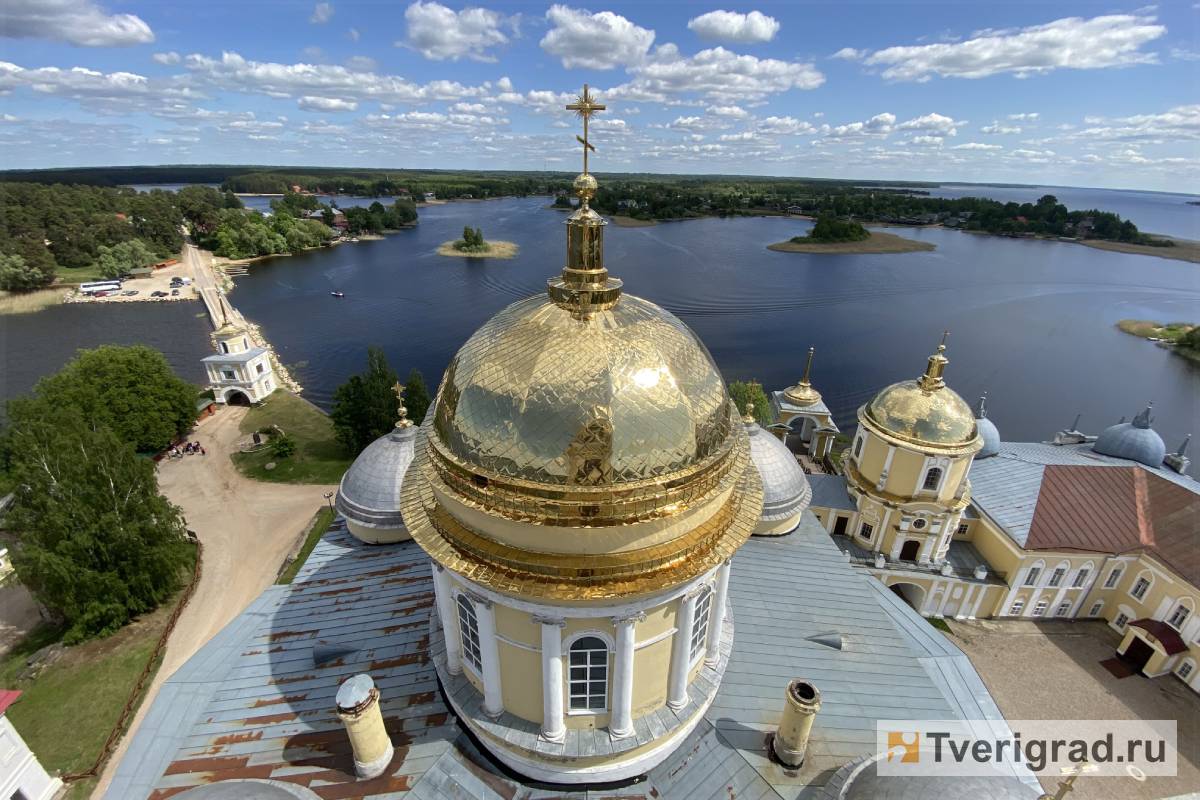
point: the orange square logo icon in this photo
(904, 746)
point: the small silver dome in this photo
(987, 431)
(369, 493)
(785, 489)
(1136, 441)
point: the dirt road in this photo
(247, 529)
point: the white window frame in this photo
(700, 626)
(1120, 621)
(1081, 576)
(1039, 610)
(858, 448)
(869, 528)
(1181, 606)
(1096, 608)
(1063, 609)
(1057, 576)
(1114, 577)
(941, 478)
(1142, 576)
(569, 649)
(1185, 669)
(1017, 607)
(963, 529)
(228, 374)
(468, 632)
(1034, 574)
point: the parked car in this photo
(100, 294)
(174, 292)
(158, 294)
(130, 292)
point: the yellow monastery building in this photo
(961, 524)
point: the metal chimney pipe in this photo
(358, 708)
(790, 744)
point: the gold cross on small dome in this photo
(585, 105)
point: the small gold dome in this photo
(937, 417)
(925, 411)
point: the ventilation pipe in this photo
(790, 744)
(358, 708)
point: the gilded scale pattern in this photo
(925, 412)
(583, 411)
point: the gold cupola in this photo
(582, 445)
(803, 394)
(924, 412)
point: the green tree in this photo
(416, 396)
(365, 406)
(131, 390)
(98, 544)
(743, 392)
(18, 276)
(121, 258)
(283, 446)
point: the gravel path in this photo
(247, 527)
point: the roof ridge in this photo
(1145, 518)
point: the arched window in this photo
(1141, 586)
(700, 625)
(1113, 577)
(858, 447)
(933, 479)
(1095, 611)
(1180, 614)
(468, 628)
(1040, 609)
(588, 681)
(1017, 606)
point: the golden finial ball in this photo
(585, 186)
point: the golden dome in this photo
(803, 394)
(582, 444)
(924, 411)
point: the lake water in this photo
(38, 344)
(1032, 322)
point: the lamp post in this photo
(329, 500)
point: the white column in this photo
(553, 727)
(1012, 591)
(926, 546)
(716, 622)
(621, 718)
(968, 592)
(449, 618)
(978, 601)
(941, 612)
(677, 696)
(926, 608)
(493, 702)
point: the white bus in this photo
(100, 286)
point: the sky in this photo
(1077, 94)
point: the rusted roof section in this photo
(1118, 510)
(361, 610)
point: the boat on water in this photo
(338, 294)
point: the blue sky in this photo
(1087, 94)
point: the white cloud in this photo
(730, 26)
(734, 112)
(1070, 43)
(440, 33)
(785, 126)
(721, 76)
(79, 22)
(595, 41)
(1027, 117)
(166, 58)
(850, 54)
(926, 140)
(932, 123)
(744, 136)
(1180, 122)
(469, 108)
(877, 126)
(312, 103)
(102, 92)
(1000, 129)
(980, 146)
(322, 13)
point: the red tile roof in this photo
(7, 698)
(1118, 510)
(1167, 636)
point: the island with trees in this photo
(473, 245)
(830, 235)
(1183, 338)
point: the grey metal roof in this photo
(258, 699)
(369, 493)
(1132, 442)
(780, 401)
(235, 358)
(829, 491)
(785, 490)
(1006, 486)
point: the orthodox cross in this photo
(403, 422)
(585, 105)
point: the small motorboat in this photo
(338, 294)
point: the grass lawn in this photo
(319, 526)
(319, 457)
(67, 712)
(80, 274)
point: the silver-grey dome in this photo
(369, 493)
(785, 489)
(862, 781)
(987, 430)
(1136, 441)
